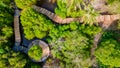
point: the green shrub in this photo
(109, 55)
(108, 52)
(6, 17)
(71, 49)
(35, 52)
(6, 20)
(76, 8)
(35, 24)
(6, 2)
(102, 65)
(12, 59)
(7, 31)
(61, 10)
(25, 3)
(74, 26)
(90, 31)
(71, 44)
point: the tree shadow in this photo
(47, 4)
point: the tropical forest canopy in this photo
(70, 44)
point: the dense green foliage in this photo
(6, 20)
(34, 24)
(61, 10)
(8, 58)
(71, 44)
(31, 64)
(102, 65)
(25, 3)
(35, 52)
(71, 48)
(76, 8)
(6, 2)
(87, 30)
(5, 15)
(108, 51)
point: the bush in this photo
(35, 52)
(71, 49)
(6, 17)
(34, 24)
(61, 10)
(76, 8)
(6, 20)
(71, 44)
(6, 2)
(12, 59)
(108, 52)
(90, 31)
(25, 3)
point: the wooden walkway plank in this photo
(16, 27)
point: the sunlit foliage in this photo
(76, 8)
(25, 3)
(35, 52)
(35, 24)
(71, 44)
(108, 52)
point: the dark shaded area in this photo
(47, 4)
(105, 13)
(113, 26)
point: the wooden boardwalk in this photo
(17, 28)
(17, 45)
(105, 19)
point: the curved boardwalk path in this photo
(106, 19)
